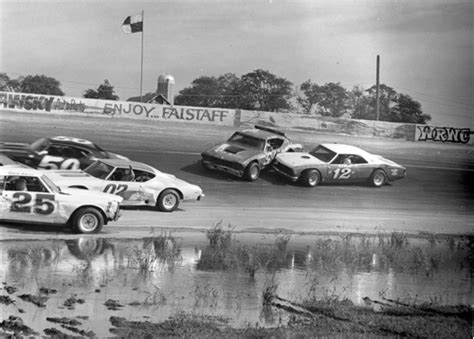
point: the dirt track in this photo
(436, 196)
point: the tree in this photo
(393, 107)
(312, 96)
(265, 91)
(334, 101)
(408, 110)
(105, 91)
(204, 92)
(40, 84)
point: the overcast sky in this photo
(426, 47)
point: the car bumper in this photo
(223, 168)
(286, 175)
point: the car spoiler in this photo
(271, 130)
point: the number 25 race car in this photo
(337, 163)
(29, 196)
(138, 183)
(248, 152)
(57, 153)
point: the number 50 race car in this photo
(29, 196)
(57, 153)
(247, 152)
(138, 183)
(337, 163)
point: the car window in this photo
(247, 141)
(356, 159)
(142, 176)
(2, 182)
(123, 174)
(24, 183)
(322, 153)
(275, 143)
(346, 159)
(99, 170)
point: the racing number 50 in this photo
(43, 203)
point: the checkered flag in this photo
(133, 23)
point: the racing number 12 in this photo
(342, 173)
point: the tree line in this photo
(262, 91)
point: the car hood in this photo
(229, 151)
(171, 180)
(91, 196)
(15, 148)
(70, 177)
(294, 159)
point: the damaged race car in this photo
(58, 152)
(137, 183)
(30, 196)
(337, 163)
(246, 153)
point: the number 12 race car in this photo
(337, 163)
(57, 153)
(248, 152)
(138, 184)
(29, 196)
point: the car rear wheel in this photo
(87, 220)
(310, 178)
(378, 178)
(168, 201)
(252, 172)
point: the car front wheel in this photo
(252, 172)
(310, 178)
(87, 220)
(168, 201)
(378, 178)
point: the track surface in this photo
(436, 196)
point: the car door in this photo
(36, 203)
(341, 169)
(122, 182)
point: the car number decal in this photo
(52, 162)
(342, 173)
(115, 189)
(43, 203)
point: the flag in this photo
(133, 24)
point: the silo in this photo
(165, 87)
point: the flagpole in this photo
(141, 65)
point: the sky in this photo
(425, 46)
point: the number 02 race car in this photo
(29, 196)
(247, 152)
(137, 183)
(57, 153)
(337, 163)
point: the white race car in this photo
(137, 183)
(30, 196)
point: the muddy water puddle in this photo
(220, 275)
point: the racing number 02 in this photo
(115, 189)
(43, 203)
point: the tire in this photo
(252, 172)
(310, 178)
(378, 178)
(87, 220)
(168, 200)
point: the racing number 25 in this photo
(43, 203)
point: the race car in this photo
(246, 153)
(137, 183)
(30, 196)
(337, 163)
(58, 152)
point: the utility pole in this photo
(377, 108)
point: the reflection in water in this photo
(163, 275)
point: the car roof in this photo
(78, 142)
(125, 163)
(346, 149)
(14, 170)
(262, 134)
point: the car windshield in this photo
(39, 144)
(99, 170)
(52, 187)
(247, 141)
(322, 153)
